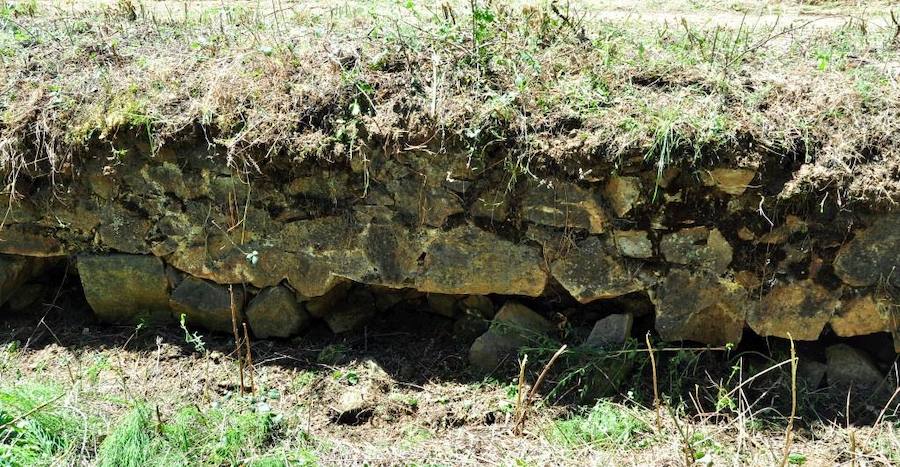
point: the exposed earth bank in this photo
(700, 255)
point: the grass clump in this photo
(34, 427)
(606, 425)
(223, 434)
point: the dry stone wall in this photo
(164, 232)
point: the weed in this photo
(224, 435)
(605, 425)
(333, 354)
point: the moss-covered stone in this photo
(123, 288)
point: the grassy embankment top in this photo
(674, 83)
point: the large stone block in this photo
(863, 315)
(123, 288)
(589, 272)
(468, 260)
(700, 307)
(797, 310)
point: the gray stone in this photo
(811, 373)
(353, 313)
(589, 272)
(797, 310)
(124, 288)
(699, 247)
(275, 312)
(207, 305)
(610, 332)
(700, 307)
(514, 326)
(441, 304)
(851, 367)
(633, 243)
(470, 326)
(872, 255)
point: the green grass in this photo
(606, 425)
(232, 433)
(35, 429)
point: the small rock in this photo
(491, 205)
(124, 288)
(623, 194)
(633, 243)
(699, 247)
(746, 234)
(747, 279)
(797, 309)
(207, 304)
(352, 314)
(858, 317)
(781, 234)
(274, 312)
(562, 204)
(441, 304)
(355, 406)
(480, 304)
(320, 306)
(514, 326)
(611, 332)
(730, 181)
(851, 367)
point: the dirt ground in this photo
(423, 405)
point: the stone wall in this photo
(160, 233)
